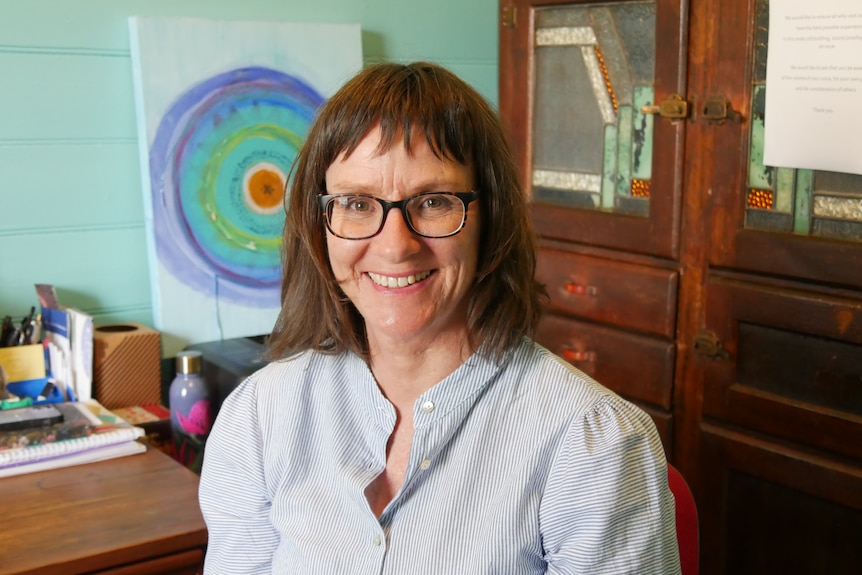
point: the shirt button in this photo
(428, 406)
(376, 540)
(426, 463)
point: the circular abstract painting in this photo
(219, 165)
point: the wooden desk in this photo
(135, 515)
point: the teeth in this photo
(402, 281)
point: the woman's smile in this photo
(399, 281)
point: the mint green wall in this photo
(71, 207)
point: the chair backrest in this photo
(687, 533)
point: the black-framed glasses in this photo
(430, 214)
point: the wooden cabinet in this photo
(721, 295)
(136, 515)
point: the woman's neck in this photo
(404, 371)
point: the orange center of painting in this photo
(266, 189)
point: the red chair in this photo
(687, 534)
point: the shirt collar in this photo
(459, 389)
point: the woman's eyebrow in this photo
(350, 187)
(431, 185)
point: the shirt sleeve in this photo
(607, 508)
(233, 494)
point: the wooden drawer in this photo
(186, 563)
(635, 366)
(617, 293)
(791, 365)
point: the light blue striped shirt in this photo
(522, 468)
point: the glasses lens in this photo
(436, 215)
(354, 217)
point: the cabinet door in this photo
(779, 455)
(791, 222)
(792, 363)
(776, 517)
(577, 83)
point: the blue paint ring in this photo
(211, 232)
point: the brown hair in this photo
(409, 101)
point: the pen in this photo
(27, 326)
(35, 329)
(13, 337)
(6, 333)
(25, 333)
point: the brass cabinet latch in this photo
(507, 15)
(674, 108)
(716, 110)
(707, 345)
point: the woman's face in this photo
(409, 289)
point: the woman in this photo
(407, 422)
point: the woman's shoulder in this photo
(564, 388)
(590, 413)
(284, 378)
(300, 363)
(554, 375)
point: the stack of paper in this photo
(69, 349)
(68, 345)
(89, 432)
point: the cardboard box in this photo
(127, 366)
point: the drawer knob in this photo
(573, 356)
(580, 289)
(706, 344)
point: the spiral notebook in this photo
(112, 437)
(89, 455)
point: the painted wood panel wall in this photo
(71, 205)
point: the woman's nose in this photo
(396, 237)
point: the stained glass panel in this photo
(804, 202)
(594, 70)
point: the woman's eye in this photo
(357, 204)
(435, 203)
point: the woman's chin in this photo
(405, 331)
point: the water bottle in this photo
(191, 411)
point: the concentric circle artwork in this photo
(223, 108)
(219, 165)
